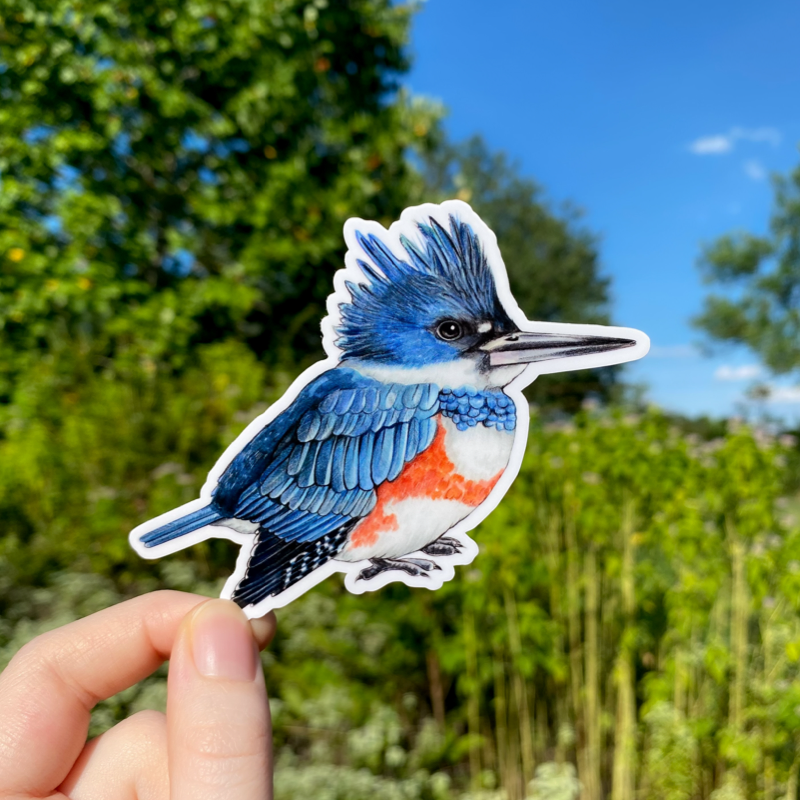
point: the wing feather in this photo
(326, 426)
(389, 394)
(382, 457)
(427, 434)
(351, 463)
(276, 484)
(341, 424)
(413, 439)
(309, 426)
(328, 503)
(306, 474)
(378, 421)
(324, 465)
(371, 396)
(398, 451)
(348, 438)
(412, 395)
(337, 465)
(344, 401)
(299, 453)
(365, 461)
(363, 425)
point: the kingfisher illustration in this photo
(380, 458)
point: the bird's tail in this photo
(181, 526)
(276, 564)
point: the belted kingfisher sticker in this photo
(379, 459)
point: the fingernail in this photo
(222, 642)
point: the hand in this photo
(214, 743)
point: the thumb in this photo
(218, 724)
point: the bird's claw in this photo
(443, 546)
(416, 567)
(423, 563)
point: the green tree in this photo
(176, 174)
(759, 279)
(552, 259)
(174, 183)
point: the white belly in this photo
(436, 491)
(414, 524)
(478, 453)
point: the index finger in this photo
(51, 685)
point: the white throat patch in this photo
(451, 375)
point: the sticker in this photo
(378, 460)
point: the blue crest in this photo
(446, 274)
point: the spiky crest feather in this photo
(446, 272)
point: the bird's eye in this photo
(449, 330)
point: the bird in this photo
(382, 456)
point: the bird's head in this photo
(432, 312)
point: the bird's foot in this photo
(443, 546)
(416, 567)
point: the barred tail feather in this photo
(181, 526)
(276, 564)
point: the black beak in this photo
(525, 348)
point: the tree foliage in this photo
(760, 279)
(177, 174)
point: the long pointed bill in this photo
(525, 348)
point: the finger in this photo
(51, 685)
(264, 629)
(129, 762)
(217, 713)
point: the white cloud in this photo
(784, 394)
(673, 351)
(754, 169)
(711, 145)
(742, 373)
(725, 142)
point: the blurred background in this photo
(173, 184)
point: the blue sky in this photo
(663, 121)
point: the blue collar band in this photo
(467, 406)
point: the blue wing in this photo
(315, 468)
